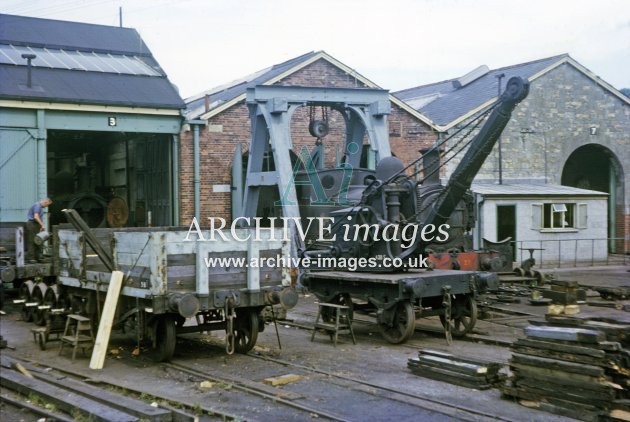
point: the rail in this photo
(572, 253)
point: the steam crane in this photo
(382, 218)
(393, 205)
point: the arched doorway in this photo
(595, 167)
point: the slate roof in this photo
(196, 105)
(444, 104)
(226, 95)
(63, 78)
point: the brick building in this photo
(220, 118)
(573, 130)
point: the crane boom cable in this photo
(474, 123)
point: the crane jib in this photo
(481, 146)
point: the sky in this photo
(397, 44)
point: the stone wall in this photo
(555, 120)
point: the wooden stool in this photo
(342, 321)
(74, 334)
(54, 326)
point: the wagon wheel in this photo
(51, 296)
(39, 315)
(463, 316)
(328, 315)
(403, 324)
(26, 291)
(165, 339)
(52, 299)
(245, 331)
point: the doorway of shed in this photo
(596, 167)
(506, 225)
(112, 179)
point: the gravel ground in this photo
(371, 359)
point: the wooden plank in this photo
(282, 379)
(107, 320)
(442, 374)
(565, 334)
(181, 271)
(63, 399)
(451, 365)
(584, 413)
(547, 389)
(75, 219)
(557, 376)
(570, 357)
(474, 361)
(182, 259)
(559, 365)
(614, 332)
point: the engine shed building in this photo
(89, 118)
(569, 139)
(219, 126)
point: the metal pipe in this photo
(612, 201)
(196, 170)
(29, 58)
(196, 176)
(42, 186)
(175, 202)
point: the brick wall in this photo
(231, 127)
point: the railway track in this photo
(342, 398)
(321, 393)
(39, 387)
(449, 409)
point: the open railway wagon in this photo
(167, 281)
(363, 263)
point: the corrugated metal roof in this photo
(489, 189)
(443, 103)
(87, 85)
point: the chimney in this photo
(29, 58)
(207, 102)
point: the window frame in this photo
(545, 216)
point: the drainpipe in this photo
(612, 214)
(478, 238)
(42, 187)
(175, 179)
(196, 171)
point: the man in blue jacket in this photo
(34, 225)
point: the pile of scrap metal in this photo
(581, 372)
(466, 372)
